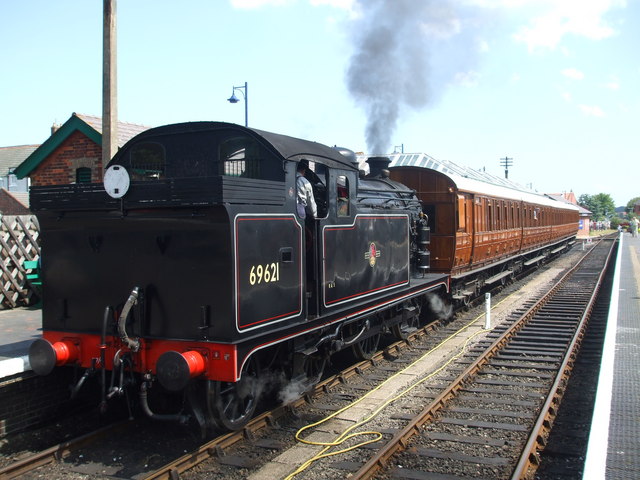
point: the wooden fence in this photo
(19, 242)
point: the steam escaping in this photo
(439, 307)
(389, 68)
(292, 391)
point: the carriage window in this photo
(462, 213)
(147, 161)
(342, 188)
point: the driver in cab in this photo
(306, 203)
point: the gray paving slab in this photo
(623, 456)
(18, 328)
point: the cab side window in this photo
(243, 156)
(147, 161)
(342, 189)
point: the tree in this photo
(585, 200)
(601, 205)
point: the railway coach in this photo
(484, 229)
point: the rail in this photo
(528, 460)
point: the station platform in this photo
(614, 440)
(18, 328)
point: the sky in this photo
(552, 85)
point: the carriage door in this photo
(463, 230)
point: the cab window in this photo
(148, 161)
(342, 189)
(243, 156)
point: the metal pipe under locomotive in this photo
(189, 270)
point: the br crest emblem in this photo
(372, 254)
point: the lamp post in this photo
(234, 99)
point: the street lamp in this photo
(234, 99)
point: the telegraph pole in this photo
(506, 162)
(109, 83)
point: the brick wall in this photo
(60, 167)
(28, 400)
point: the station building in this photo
(73, 152)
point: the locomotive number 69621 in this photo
(264, 273)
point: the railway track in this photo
(493, 419)
(263, 433)
(57, 452)
(216, 447)
(340, 385)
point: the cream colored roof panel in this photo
(469, 180)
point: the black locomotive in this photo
(188, 269)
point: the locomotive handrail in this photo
(385, 200)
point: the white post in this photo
(487, 311)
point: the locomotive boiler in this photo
(188, 274)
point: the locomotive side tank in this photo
(188, 269)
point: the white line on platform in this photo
(14, 365)
(596, 462)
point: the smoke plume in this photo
(439, 307)
(389, 68)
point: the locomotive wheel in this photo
(232, 404)
(406, 327)
(364, 349)
(314, 368)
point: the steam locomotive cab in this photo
(190, 268)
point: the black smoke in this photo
(390, 66)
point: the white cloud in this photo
(613, 83)
(557, 18)
(592, 110)
(470, 78)
(573, 73)
(567, 97)
(251, 4)
(344, 4)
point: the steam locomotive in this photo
(187, 273)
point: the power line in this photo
(506, 162)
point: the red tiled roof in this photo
(126, 131)
(12, 203)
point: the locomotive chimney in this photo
(377, 165)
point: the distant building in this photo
(73, 152)
(585, 215)
(14, 203)
(636, 208)
(10, 158)
(14, 196)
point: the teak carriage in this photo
(483, 229)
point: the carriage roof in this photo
(467, 179)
